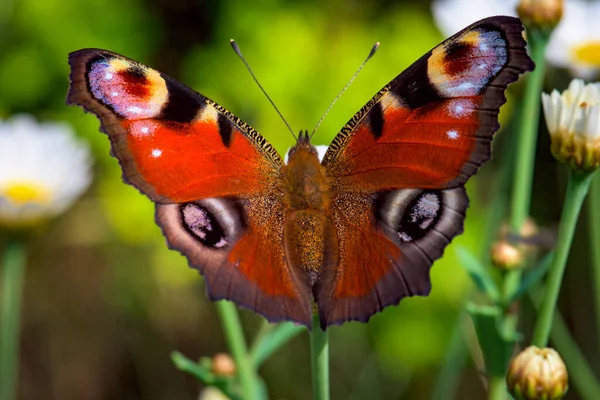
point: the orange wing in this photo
(396, 170)
(431, 126)
(209, 173)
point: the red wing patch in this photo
(431, 127)
(425, 148)
(387, 247)
(174, 144)
(240, 256)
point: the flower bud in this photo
(223, 365)
(537, 374)
(506, 256)
(573, 120)
(545, 14)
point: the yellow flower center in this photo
(588, 53)
(25, 192)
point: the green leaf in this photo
(202, 371)
(532, 278)
(268, 343)
(496, 346)
(479, 274)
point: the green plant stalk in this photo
(580, 372)
(577, 189)
(12, 287)
(497, 388)
(319, 360)
(523, 172)
(454, 362)
(594, 210)
(237, 345)
(521, 197)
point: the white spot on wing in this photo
(108, 76)
(156, 153)
(114, 94)
(465, 87)
(452, 134)
(135, 110)
(144, 129)
(460, 108)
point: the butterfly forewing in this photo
(431, 126)
(173, 143)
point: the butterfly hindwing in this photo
(215, 180)
(399, 165)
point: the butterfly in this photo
(342, 238)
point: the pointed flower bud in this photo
(537, 374)
(573, 120)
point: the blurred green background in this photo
(105, 302)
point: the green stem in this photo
(454, 363)
(594, 210)
(319, 360)
(521, 197)
(577, 189)
(12, 286)
(497, 388)
(237, 345)
(580, 372)
(521, 194)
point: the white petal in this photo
(44, 156)
(453, 15)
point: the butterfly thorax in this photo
(306, 185)
(310, 238)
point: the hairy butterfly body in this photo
(351, 234)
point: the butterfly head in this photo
(302, 144)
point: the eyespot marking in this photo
(142, 128)
(465, 66)
(203, 225)
(130, 90)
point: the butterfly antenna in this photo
(239, 53)
(371, 54)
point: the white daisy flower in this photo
(453, 15)
(573, 120)
(43, 169)
(574, 44)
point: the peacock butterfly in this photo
(346, 236)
